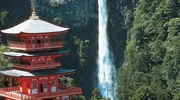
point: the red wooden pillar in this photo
(10, 81)
(60, 97)
(49, 86)
(50, 42)
(49, 39)
(39, 87)
(25, 42)
(31, 41)
(70, 97)
(56, 83)
(30, 87)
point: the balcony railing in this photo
(65, 92)
(23, 46)
(37, 66)
(13, 93)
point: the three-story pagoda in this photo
(37, 44)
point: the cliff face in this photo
(120, 19)
(73, 12)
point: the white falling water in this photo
(106, 69)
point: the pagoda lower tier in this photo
(39, 85)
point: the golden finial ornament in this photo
(33, 16)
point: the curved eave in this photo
(36, 33)
(18, 54)
(35, 26)
(39, 73)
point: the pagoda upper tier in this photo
(35, 35)
(34, 26)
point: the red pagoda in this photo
(36, 45)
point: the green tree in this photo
(143, 93)
(80, 97)
(3, 16)
(5, 64)
(82, 46)
(96, 95)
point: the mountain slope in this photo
(151, 70)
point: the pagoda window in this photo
(33, 61)
(45, 86)
(32, 38)
(38, 41)
(28, 41)
(53, 86)
(49, 63)
(33, 41)
(34, 88)
(46, 37)
(49, 58)
(46, 41)
(42, 61)
(39, 61)
(28, 86)
(53, 83)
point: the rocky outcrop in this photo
(72, 12)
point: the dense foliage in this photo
(5, 64)
(151, 70)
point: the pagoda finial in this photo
(33, 16)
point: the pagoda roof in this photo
(46, 72)
(19, 54)
(34, 26)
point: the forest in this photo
(144, 39)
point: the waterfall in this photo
(106, 69)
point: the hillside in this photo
(151, 69)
